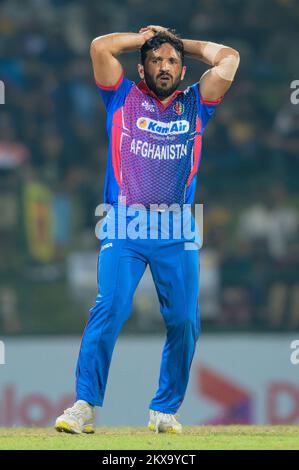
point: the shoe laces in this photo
(76, 410)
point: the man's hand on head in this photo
(157, 29)
(147, 33)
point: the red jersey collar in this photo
(145, 89)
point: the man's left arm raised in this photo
(216, 81)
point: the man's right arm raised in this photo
(104, 51)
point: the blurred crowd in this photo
(53, 149)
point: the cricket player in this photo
(155, 135)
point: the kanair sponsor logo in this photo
(163, 128)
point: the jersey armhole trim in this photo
(211, 102)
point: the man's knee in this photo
(112, 311)
(187, 327)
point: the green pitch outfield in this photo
(122, 438)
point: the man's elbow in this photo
(97, 46)
(236, 56)
(228, 65)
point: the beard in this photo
(162, 91)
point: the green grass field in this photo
(194, 438)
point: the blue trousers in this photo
(175, 272)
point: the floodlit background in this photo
(53, 149)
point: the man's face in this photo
(163, 70)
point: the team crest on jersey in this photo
(178, 108)
(162, 128)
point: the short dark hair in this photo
(161, 38)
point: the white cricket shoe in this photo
(77, 419)
(164, 422)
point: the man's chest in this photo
(143, 119)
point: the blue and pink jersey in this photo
(154, 150)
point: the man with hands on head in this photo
(155, 134)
